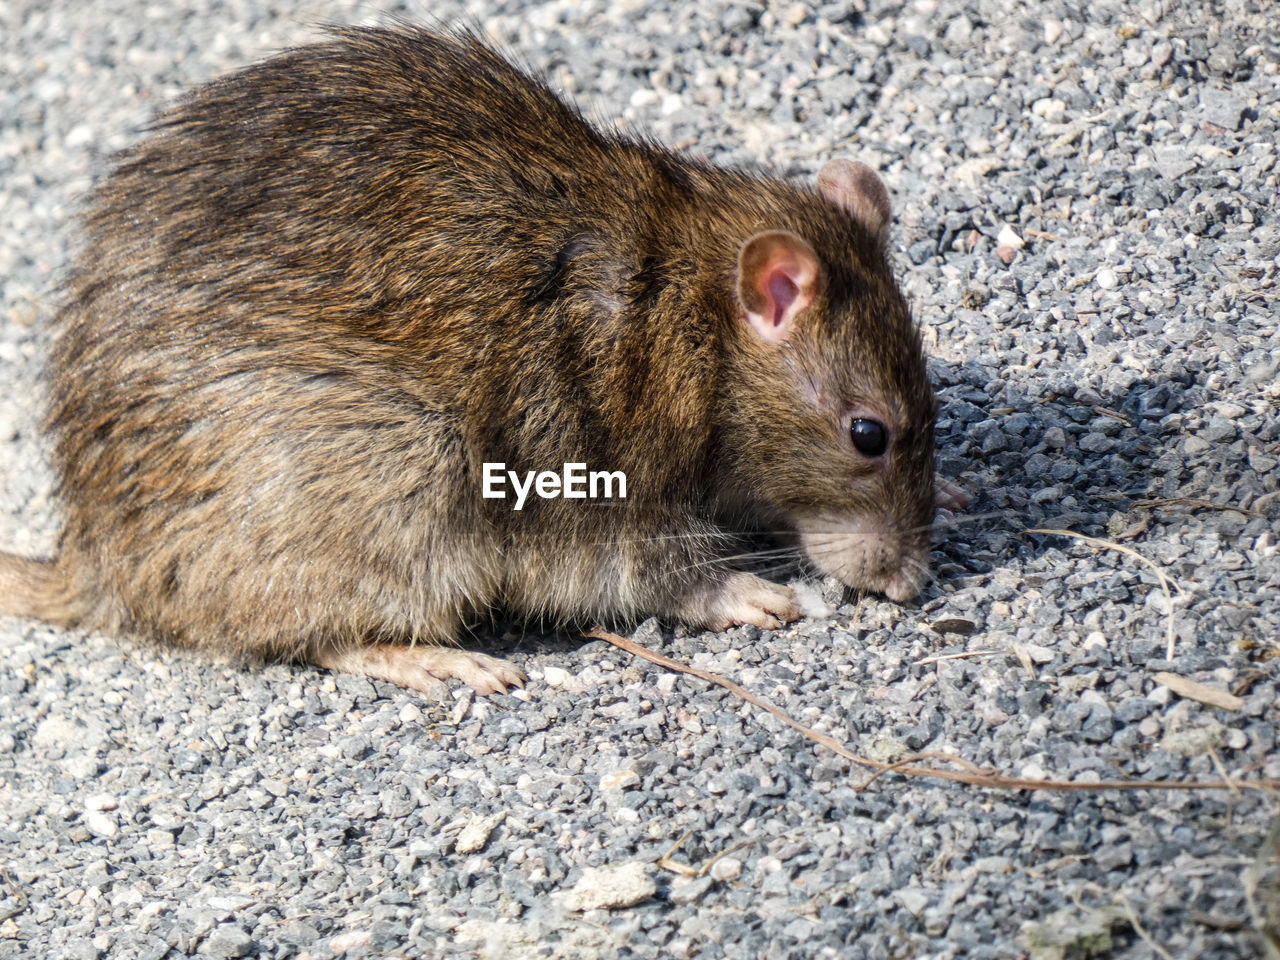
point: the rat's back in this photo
(339, 173)
(284, 290)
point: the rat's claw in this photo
(483, 673)
(745, 598)
(948, 496)
(425, 668)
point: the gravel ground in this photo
(1119, 377)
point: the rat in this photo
(327, 297)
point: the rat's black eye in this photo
(869, 437)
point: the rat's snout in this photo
(868, 553)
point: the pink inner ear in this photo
(778, 277)
(783, 291)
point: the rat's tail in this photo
(38, 589)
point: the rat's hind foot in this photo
(744, 598)
(424, 667)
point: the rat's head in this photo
(830, 408)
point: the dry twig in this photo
(666, 863)
(973, 775)
(1190, 690)
(962, 656)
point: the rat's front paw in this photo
(425, 667)
(745, 598)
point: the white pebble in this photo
(101, 824)
(474, 836)
(620, 780)
(614, 886)
(1038, 653)
(1008, 237)
(914, 899)
(726, 868)
(1232, 410)
(410, 713)
(58, 732)
(352, 940)
(1049, 108)
(874, 33)
(795, 14)
(1106, 279)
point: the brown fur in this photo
(326, 289)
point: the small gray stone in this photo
(685, 891)
(1173, 160)
(227, 940)
(649, 633)
(1222, 107)
(1114, 856)
(355, 748)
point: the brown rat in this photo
(328, 289)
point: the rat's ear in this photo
(855, 188)
(778, 276)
